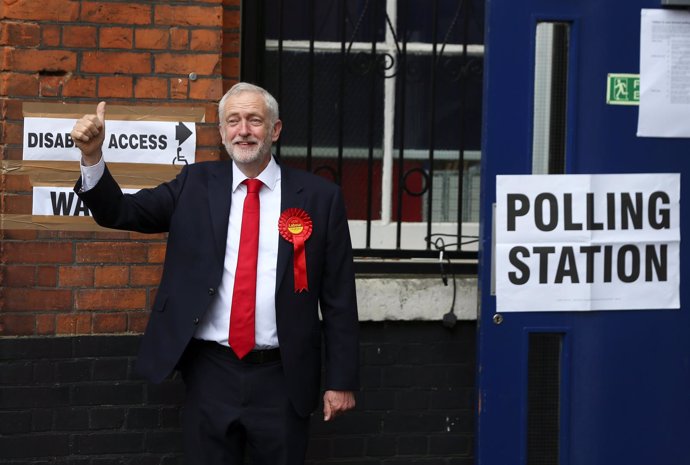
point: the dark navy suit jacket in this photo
(194, 210)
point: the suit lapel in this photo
(292, 196)
(219, 196)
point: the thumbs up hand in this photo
(88, 134)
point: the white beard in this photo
(252, 153)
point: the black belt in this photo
(262, 356)
(253, 357)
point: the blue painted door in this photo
(585, 388)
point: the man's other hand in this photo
(336, 403)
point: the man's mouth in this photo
(244, 143)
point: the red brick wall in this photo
(64, 283)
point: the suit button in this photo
(211, 291)
(196, 321)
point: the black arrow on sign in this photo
(182, 133)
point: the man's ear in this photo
(277, 126)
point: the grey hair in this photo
(271, 103)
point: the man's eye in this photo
(256, 122)
(232, 122)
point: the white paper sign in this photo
(61, 201)
(587, 242)
(664, 74)
(155, 142)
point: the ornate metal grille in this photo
(384, 98)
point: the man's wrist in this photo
(90, 160)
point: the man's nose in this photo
(244, 127)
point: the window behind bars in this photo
(384, 98)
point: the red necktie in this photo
(241, 337)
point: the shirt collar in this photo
(269, 176)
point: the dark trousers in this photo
(231, 405)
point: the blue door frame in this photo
(624, 375)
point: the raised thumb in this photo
(100, 111)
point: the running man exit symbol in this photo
(623, 89)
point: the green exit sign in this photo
(623, 89)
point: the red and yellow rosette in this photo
(295, 226)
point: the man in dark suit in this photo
(255, 390)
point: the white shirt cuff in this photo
(90, 175)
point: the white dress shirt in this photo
(215, 324)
